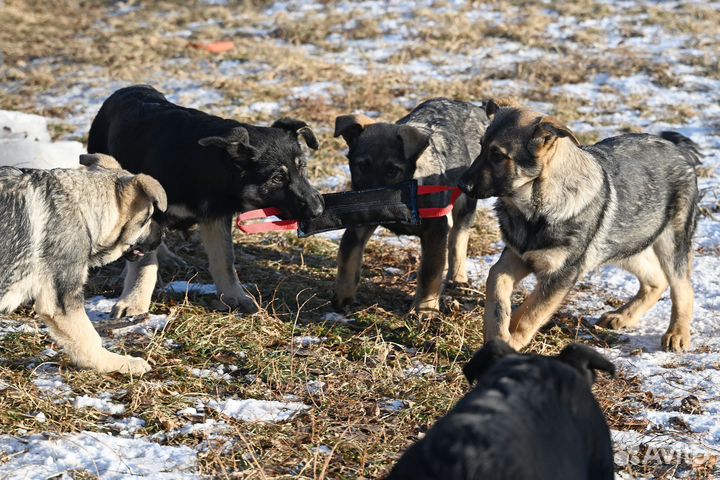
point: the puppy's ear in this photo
(414, 141)
(235, 142)
(493, 351)
(99, 160)
(546, 132)
(495, 104)
(351, 126)
(152, 189)
(300, 128)
(586, 361)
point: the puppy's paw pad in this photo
(616, 321)
(676, 342)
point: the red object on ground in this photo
(283, 225)
(215, 47)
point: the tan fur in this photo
(430, 273)
(138, 287)
(343, 122)
(457, 254)
(562, 183)
(502, 280)
(99, 160)
(534, 312)
(646, 267)
(217, 238)
(547, 260)
(110, 231)
(494, 104)
(348, 271)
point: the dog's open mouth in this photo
(134, 253)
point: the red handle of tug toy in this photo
(284, 225)
(276, 226)
(442, 211)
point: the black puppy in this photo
(528, 417)
(210, 168)
(435, 144)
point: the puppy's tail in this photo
(690, 148)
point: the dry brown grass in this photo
(50, 46)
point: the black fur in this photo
(529, 417)
(209, 165)
(434, 144)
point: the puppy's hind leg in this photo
(70, 326)
(646, 267)
(349, 260)
(502, 279)
(138, 287)
(463, 216)
(217, 239)
(676, 257)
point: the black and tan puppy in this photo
(60, 223)
(434, 144)
(529, 417)
(565, 209)
(211, 168)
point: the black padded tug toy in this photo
(394, 204)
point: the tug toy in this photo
(394, 204)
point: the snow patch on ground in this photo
(187, 288)
(308, 341)
(251, 410)
(103, 455)
(102, 404)
(99, 309)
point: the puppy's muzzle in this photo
(311, 207)
(149, 243)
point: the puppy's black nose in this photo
(315, 206)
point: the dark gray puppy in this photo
(529, 417)
(58, 224)
(434, 144)
(211, 168)
(565, 209)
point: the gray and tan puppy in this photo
(565, 209)
(434, 144)
(58, 224)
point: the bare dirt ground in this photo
(372, 382)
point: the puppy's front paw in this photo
(239, 300)
(424, 314)
(617, 321)
(676, 341)
(134, 366)
(518, 342)
(105, 361)
(340, 303)
(128, 308)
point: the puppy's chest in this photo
(544, 247)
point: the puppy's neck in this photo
(569, 181)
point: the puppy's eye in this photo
(393, 171)
(278, 179)
(497, 156)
